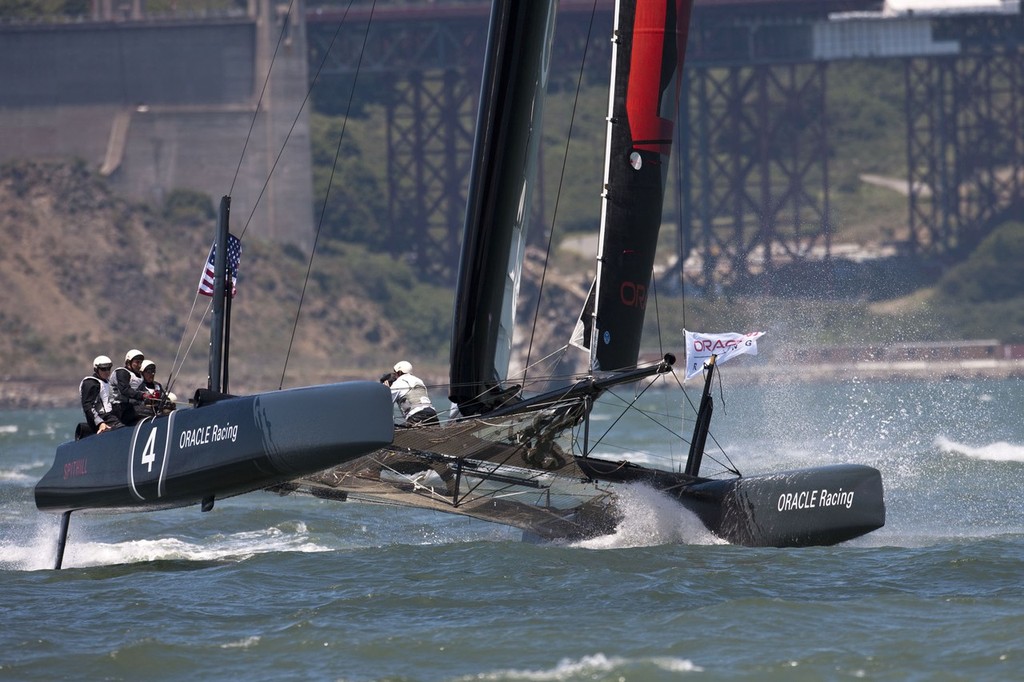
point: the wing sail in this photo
(649, 46)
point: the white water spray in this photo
(652, 518)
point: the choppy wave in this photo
(1000, 451)
(17, 473)
(597, 666)
(34, 548)
(328, 590)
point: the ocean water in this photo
(292, 588)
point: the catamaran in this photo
(527, 460)
(224, 445)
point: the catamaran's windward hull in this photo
(819, 506)
(226, 448)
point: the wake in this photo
(34, 548)
(1000, 451)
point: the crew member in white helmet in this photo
(97, 400)
(126, 383)
(410, 394)
(156, 401)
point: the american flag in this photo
(206, 282)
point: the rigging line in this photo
(245, 146)
(181, 339)
(730, 467)
(334, 168)
(298, 113)
(629, 405)
(558, 194)
(259, 102)
(170, 381)
(684, 252)
(547, 357)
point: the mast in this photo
(700, 428)
(500, 190)
(220, 321)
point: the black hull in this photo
(819, 506)
(807, 507)
(230, 447)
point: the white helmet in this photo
(146, 365)
(101, 360)
(403, 367)
(132, 354)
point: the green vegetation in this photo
(993, 271)
(42, 9)
(983, 297)
(420, 312)
(349, 172)
(189, 207)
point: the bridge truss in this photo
(754, 189)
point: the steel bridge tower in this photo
(965, 134)
(754, 168)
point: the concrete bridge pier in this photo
(158, 105)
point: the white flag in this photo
(700, 347)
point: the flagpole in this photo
(217, 321)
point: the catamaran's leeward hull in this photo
(819, 506)
(229, 447)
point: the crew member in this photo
(127, 396)
(97, 400)
(410, 394)
(155, 401)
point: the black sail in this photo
(502, 178)
(650, 44)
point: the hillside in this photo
(86, 273)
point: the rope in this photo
(263, 91)
(558, 194)
(334, 167)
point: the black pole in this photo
(227, 334)
(586, 426)
(62, 540)
(700, 429)
(217, 321)
(458, 482)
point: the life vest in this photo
(415, 397)
(134, 381)
(153, 393)
(106, 393)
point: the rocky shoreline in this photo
(21, 393)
